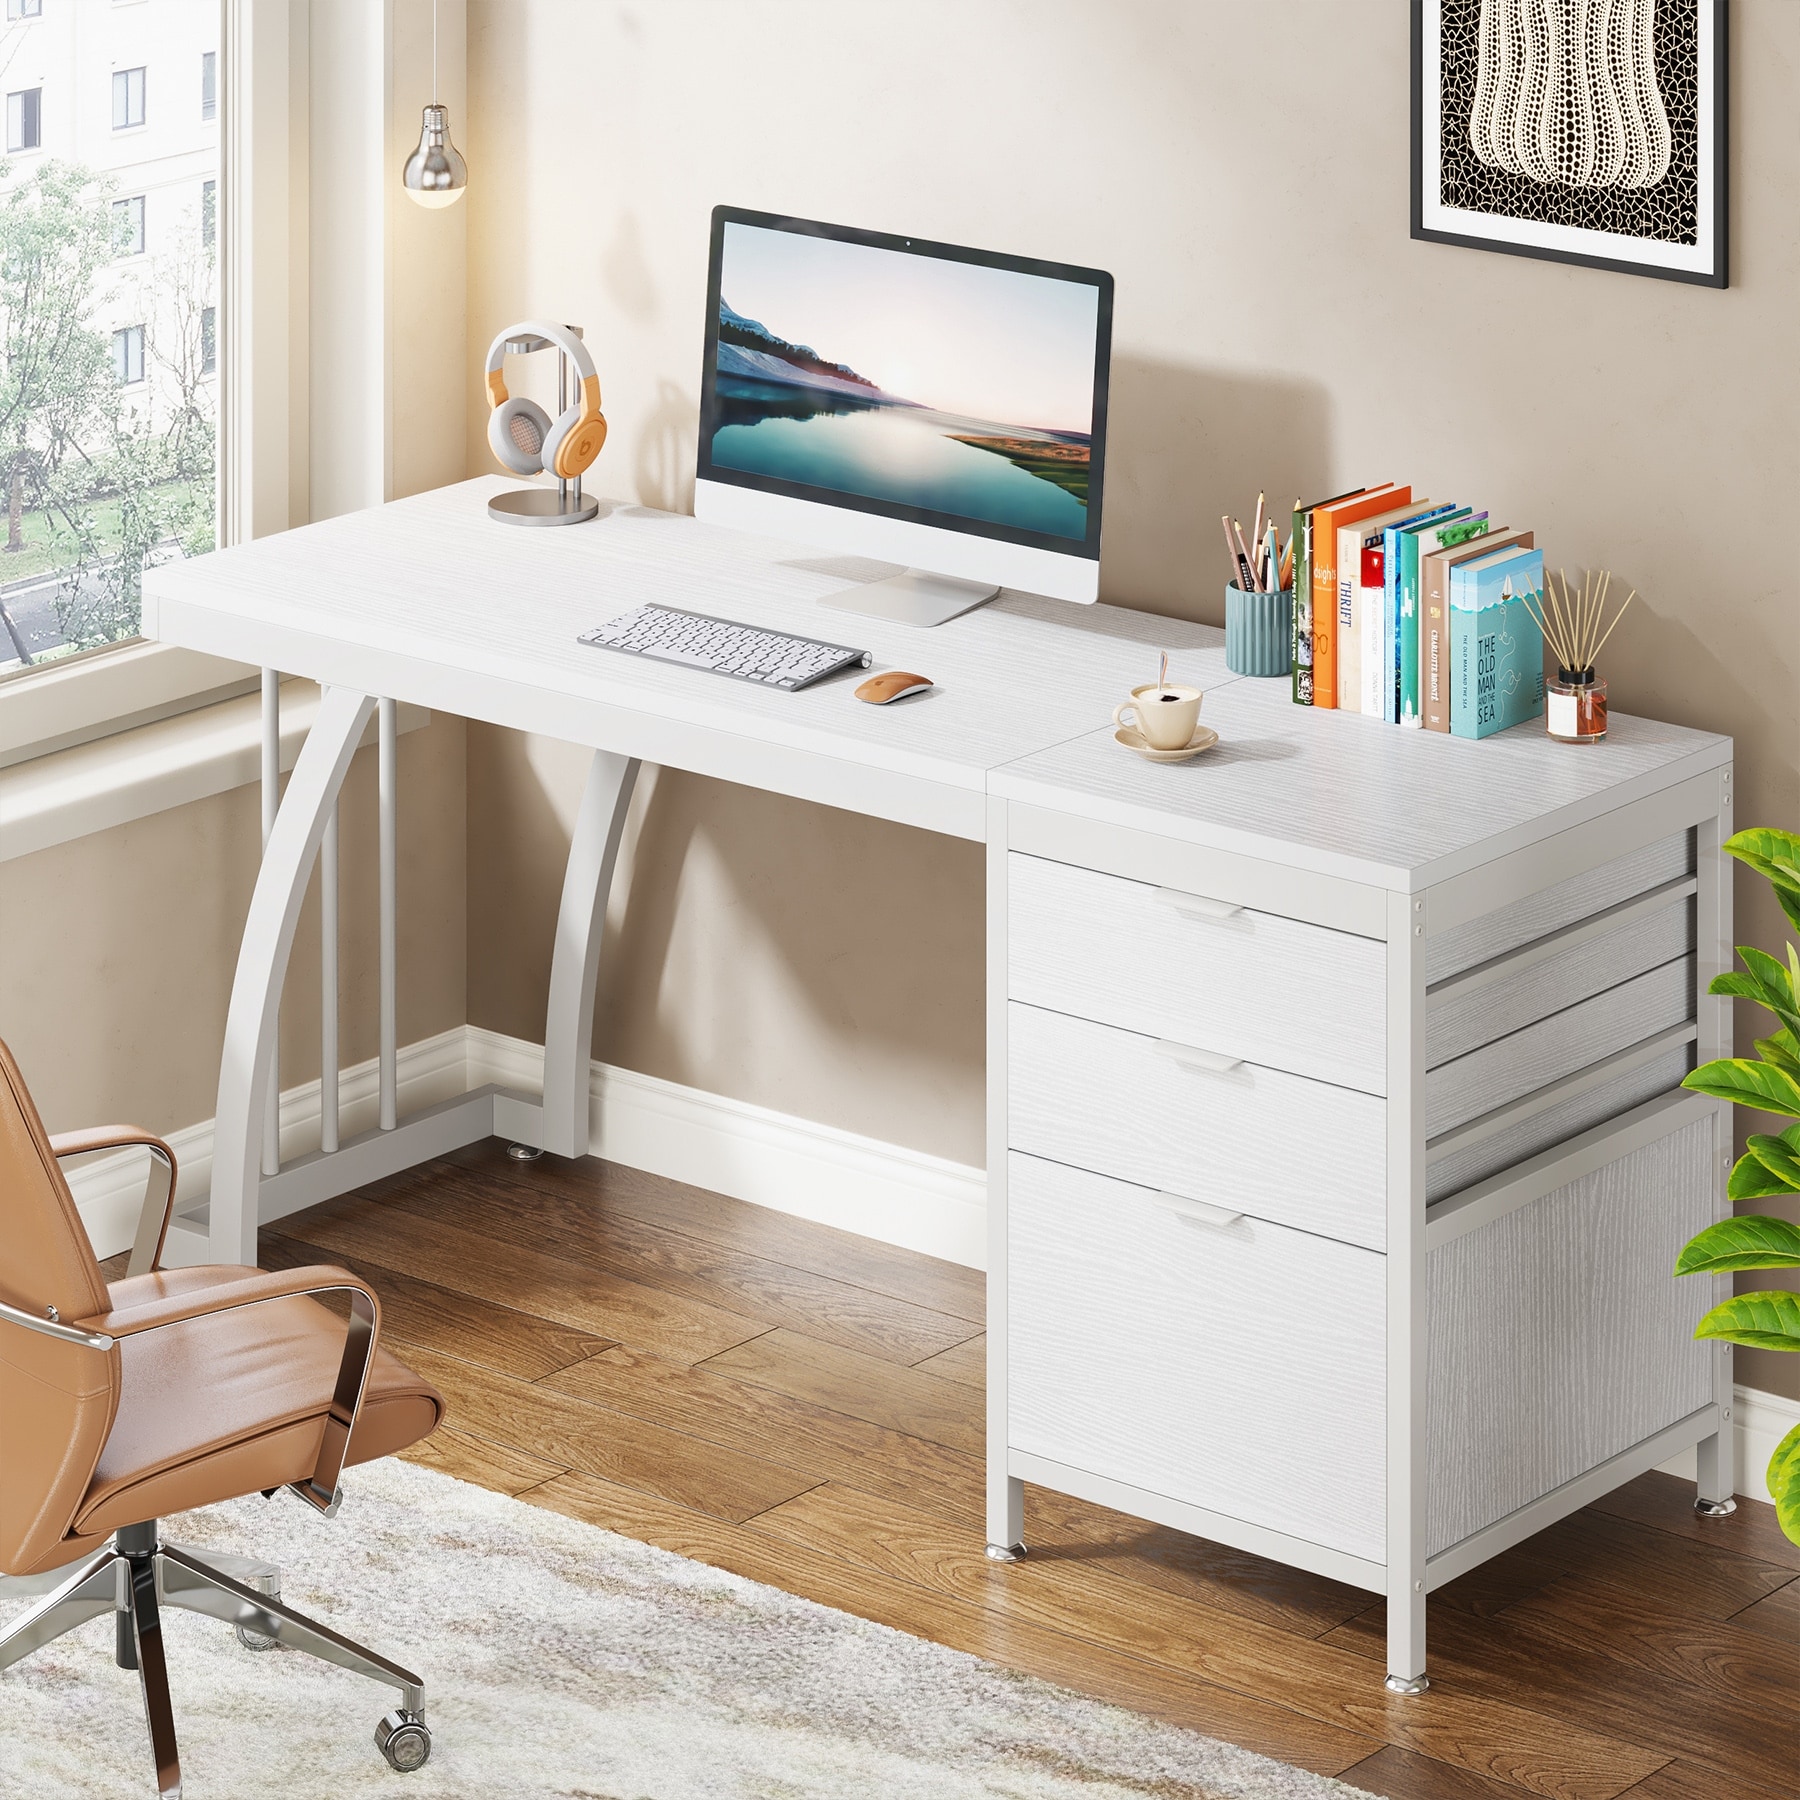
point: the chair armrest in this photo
(159, 1190)
(252, 1287)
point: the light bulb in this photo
(435, 173)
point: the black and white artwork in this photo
(1583, 131)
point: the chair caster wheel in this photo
(405, 1740)
(254, 1640)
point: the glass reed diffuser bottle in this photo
(1575, 626)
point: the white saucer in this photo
(1203, 739)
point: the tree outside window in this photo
(209, 339)
(128, 226)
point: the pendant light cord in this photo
(434, 74)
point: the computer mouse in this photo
(892, 684)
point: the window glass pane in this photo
(209, 84)
(109, 332)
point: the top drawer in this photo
(1224, 978)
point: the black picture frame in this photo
(1712, 132)
(707, 470)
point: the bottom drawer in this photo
(1239, 1368)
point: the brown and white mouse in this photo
(892, 684)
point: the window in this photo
(209, 214)
(128, 355)
(24, 9)
(128, 226)
(128, 98)
(209, 339)
(24, 119)
(209, 84)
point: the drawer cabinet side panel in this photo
(1557, 1336)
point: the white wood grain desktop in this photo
(1337, 1153)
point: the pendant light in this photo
(435, 173)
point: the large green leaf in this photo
(1773, 985)
(1783, 1050)
(1751, 1180)
(1768, 1320)
(1779, 1155)
(1747, 1083)
(1750, 1242)
(1784, 1483)
(1776, 856)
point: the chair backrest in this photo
(57, 1400)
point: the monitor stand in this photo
(913, 597)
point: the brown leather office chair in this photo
(169, 1390)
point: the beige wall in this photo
(118, 948)
(1187, 146)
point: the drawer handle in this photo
(1198, 1212)
(1203, 1061)
(1197, 906)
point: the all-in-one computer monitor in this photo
(924, 404)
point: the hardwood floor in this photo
(805, 1408)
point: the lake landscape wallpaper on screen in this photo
(947, 386)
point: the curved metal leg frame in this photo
(92, 1589)
(194, 1585)
(153, 1674)
(575, 966)
(246, 1069)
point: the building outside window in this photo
(128, 98)
(24, 9)
(209, 85)
(108, 443)
(128, 226)
(128, 355)
(24, 119)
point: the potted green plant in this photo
(1770, 1081)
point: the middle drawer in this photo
(1250, 1139)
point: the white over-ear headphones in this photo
(521, 433)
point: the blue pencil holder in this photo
(1258, 632)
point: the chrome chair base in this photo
(138, 1575)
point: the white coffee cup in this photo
(1165, 714)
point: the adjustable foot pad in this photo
(1406, 1684)
(1715, 1509)
(1005, 1552)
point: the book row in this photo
(1414, 611)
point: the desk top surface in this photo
(427, 599)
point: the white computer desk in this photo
(1337, 1152)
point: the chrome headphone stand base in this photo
(564, 504)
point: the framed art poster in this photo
(1581, 131)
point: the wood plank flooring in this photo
(804, 1407)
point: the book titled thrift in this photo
(1496, 648)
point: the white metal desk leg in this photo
(575, 964)
(246, 1070)
(1407, 1388)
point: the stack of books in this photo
(1413, 611)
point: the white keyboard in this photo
(697, 641)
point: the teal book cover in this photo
(1417, 541)
(1496, 648)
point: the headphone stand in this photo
(564, 504)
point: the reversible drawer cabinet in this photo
(1161, 1349)
(1333, 1196)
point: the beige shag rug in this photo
(563, 1662)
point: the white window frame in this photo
(20, 94)
(128, 123)
(130, 231)
(123, 345)
(24, 9)
(262, 392)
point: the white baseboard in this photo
(772, 1159)
(834, 1177)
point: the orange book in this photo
(1326, 520)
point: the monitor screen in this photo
(918, 381)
